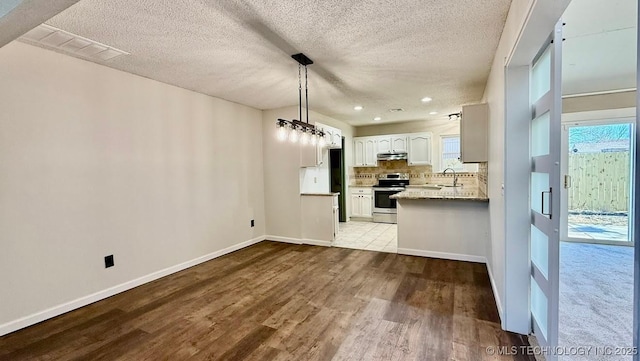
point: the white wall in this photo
(94, 161)
(282, 172)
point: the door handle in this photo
(550, 192)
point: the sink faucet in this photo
(455, 176)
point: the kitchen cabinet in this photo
(365, 152)
(474, 133)
(419, 152)
(384, 145)
(399, 143)
(392, 143)
(332, 136)
(361, 203)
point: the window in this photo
(451, 152)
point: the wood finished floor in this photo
(276, 301)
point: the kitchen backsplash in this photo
(483, 174)
(368, 176)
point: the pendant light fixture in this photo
(297, 130)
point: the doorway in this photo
(597, 167)
(337, 179)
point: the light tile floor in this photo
(370, 236)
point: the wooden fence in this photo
(599, 182)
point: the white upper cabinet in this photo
(332, 136)
(336, 139)
(365, 152)
(392, 143)
(399, 143)
(474, 133)
(384, 144)
(417, 145)
(358, 152)
(419, 149)
(370, 152)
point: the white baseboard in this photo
(283, 239)
(100, 295)
(443, 255)
(496, 295)
(312, 242)
(316, 242)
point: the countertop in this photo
(446, 193)
(329, 194)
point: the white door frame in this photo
(540, 20)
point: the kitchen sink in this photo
(431, 186)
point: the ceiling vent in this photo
(67, 42)
(396, 110)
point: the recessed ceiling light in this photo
(426, 99)
(377, 118)
(433, 113)
(358, 107)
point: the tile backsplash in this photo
(368, 176)
(483, 174)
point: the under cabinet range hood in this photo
(392, 156)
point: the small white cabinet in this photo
(361, 203)
(399, 143)
(384, 145)
(392, 143)
(365, 152)
(419, 149)
(474, 133)
(332, 136)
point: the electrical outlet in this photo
(253, 223)
(108, 261)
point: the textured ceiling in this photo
(599, 53)
(378, 54)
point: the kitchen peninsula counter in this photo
(431, 224)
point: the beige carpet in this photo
(596, 298)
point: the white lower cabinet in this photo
(361, 203)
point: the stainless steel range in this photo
(384, 208)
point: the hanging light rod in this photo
(297, 128)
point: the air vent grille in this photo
(396, 110)
(52, 37)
